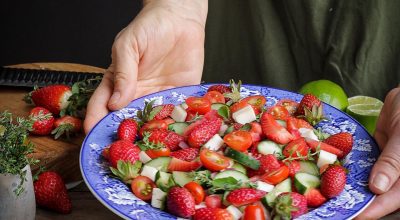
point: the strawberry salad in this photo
(226, 157)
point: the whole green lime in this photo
(327, 91)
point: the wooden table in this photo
(62, 155)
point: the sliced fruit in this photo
(178, 127)
(242, 158)
(309, 167)
(239, 140)
(213, 161)
(318, 145)
(196, 190)
(269, 147)
(198, 104)
(244, 196)
(182, 178)
(181, 165)
(284, 186)
(160, 163)
(276, 176)
(274, 131)
(142, 187)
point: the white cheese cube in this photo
(325, 158)
(201, 205)
(214, 143)
(222, 129)
(244, 115)
(235, 212)
(184, 105)
(149, 172)
(143, 157)
(264, 186)
(158, 198)
(308, 133)
(179, 114)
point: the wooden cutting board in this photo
(61, 155)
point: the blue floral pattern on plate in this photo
(118, 198)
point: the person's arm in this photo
(384, 177)
(163, 47)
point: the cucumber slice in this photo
(178, 127)
(305, 181)
(239, 176)
(309, 167)
(284, 186)
(158, 198)
(269, 147)
(242, 158)
(160, 163)
(224, 201)
(282, 123)
(239, 167)
(216, 106)
(181, 178)
(164, 181)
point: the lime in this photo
(327, 91)
(365, 110)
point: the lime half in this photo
(365, 110)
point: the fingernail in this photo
(381, 181)
(115, 98)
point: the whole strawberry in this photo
(274, 131)
(204, 131)
(314, 198)
(333, 181)
(342, 141)
(180, 202)
(268, 163)
(66, 125)
(290, 205)
(51, 193)
(54, 97)
(123, 150)
(212, 214)
(128, 129)
(244, 196)
(219, 88)
(168, 138)
(43, 121)
(187, 154)
(310, 108)
(162, 111)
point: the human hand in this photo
(384, 178)
(163, 47)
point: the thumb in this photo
(125, 60)
(386, 170)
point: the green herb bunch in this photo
(15, 147)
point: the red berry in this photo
(343, 141)
(333, 181)
(170, 139)
(66, 125)
(128, 130)
(187, 154)
(204, 131)
(308, 101)
(180, 202)
(123, 150)
(274, 131)
(54, 97)
(212, 214)
(290, 205)
(43, 121)
(164, 111)
(314, 198)
(244, 196)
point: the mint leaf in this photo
(224, 112)
(246, 127)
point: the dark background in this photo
(75, 31)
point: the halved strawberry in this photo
(153, 124)
(53, 97)
(162, 111)
(244, 196)
(296, 148)
(343, 141)
(293, 123)
(180, 165)
(314, 198)
(314, 145)
(168, 138)
(268, 163)
(180, 202)
(294, 167)
(187, 154)
(274, 131)
(212, 214)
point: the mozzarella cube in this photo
(149, 172)
(264, 186)
(244, 115)
(308, 133)
(325, 158)
(143, 157)
(178, 114)
(184, 105)
(214, 143)
(201, 205)
(235, 212)
(158, 198)
(222, 129)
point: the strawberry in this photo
(66, 125)
(180, 202)
(313, 144)
(293, 123)
(43, 121)
(294, 167)
(308, 101)
(106, 153)
(153, 124)
(53, 97)
(296, 148)
(204, 131)
(244, 196)
(256, 131)
(128, 129)
(268, 163)
(168, 138)
(314, 198)
(290, 205)
(212, 214)
(51, 193)
(180, 165)
(333, 181)
(220, 88)
(162, 111)
(274, 131)
(187, 154)
(342, 141)
(123, 150)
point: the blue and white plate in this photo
(117, 197)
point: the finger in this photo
(125, 60)
(383, 204)
(386, 170)
(97, 105)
